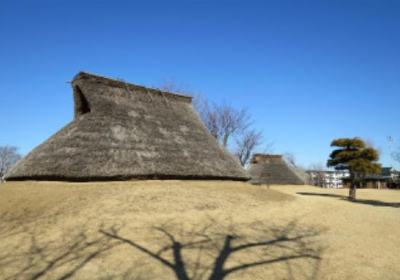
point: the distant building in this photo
(390, 171)
(387, 179)
(328, 179)
(370, 182)
(394, 180)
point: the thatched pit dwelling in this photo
(124, 131)
(272, 169)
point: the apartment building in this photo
(328, 179)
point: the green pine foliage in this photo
(353, 155)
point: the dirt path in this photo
(362, 237)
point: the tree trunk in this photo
(352, 192)
(225, 140)
(353, 187)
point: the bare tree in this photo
(223, 121)
(250, 142)
(232, 122)
(318, 174)
(171, 85)
(201, 105)
(290, 159)
(246, 145)
(8, 157)
(208, 115)
(396, 155)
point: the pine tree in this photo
(353, 155)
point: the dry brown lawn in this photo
(196, 230)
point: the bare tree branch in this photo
(396, 155)
(231, 121)
(223, 121)
(318, 176)
(246, 145)
(9, 156)
(290, 159)
(171, 85)
(206, 112)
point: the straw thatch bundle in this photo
(272, 169)
(124, 131)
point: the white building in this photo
(328, 179)
(390, 171)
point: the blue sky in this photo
(309, 71)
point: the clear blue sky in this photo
(309, 71)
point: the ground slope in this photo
(195, 230)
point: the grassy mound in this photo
(192, 230)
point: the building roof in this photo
(371, 177)
(273, 169)
(124, 131)
(329, 171)
(388, 171)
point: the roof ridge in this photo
(124, 83)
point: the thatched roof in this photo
(272, 169)
(124, 131)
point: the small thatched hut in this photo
(124, 131)
(272, 169)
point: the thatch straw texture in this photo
(272, 169)
(123, 131)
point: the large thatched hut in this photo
(123, 131)
(272, 169)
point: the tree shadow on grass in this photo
(322, 194)
(358, 201)
(209, 250)
(28, 254)
(215, 252)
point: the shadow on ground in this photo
(359, 201)
(211, 251)
(29, 253)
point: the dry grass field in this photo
(196, 230)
